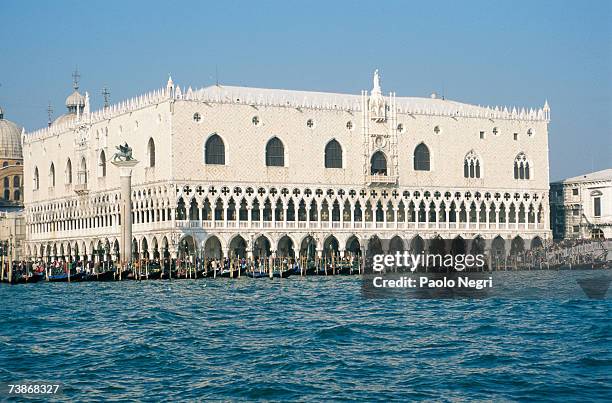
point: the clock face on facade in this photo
(380, 142)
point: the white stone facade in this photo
(76, 213)
(581, 207)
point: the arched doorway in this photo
(417, 245)
(212, 248)
(353, 247)
(330, 246)
(396, 244)
(145, 249)
(186, 248)
(458, 246)
(308, 248)
(518, 246)
(478, 246)
(134, 249)
(262, 247)
(237, 248)
(498, 247)
(536, 243)
(437, 246)
(285, 247)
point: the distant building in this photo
(12, 227)
(581, 207)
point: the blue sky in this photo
(484, 52)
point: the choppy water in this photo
(308, 339)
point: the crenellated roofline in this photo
(221, 94)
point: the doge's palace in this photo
(238, 171)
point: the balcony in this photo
(81, 189)
(384, 179)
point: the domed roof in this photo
(10, 139)
(75, 99)
(66, 118)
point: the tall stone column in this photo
(125, 174)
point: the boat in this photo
(257, 274)
(227, 273)
(108, 275)
(282, 273)
(63, 277)
(25, 279)
(154, 275)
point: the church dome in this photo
(75, 99)
(66, 118)
(10, 139)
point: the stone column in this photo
(125, 174)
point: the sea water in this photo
(308, 339)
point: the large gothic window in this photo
(333, 155)
(52, 175)
(275, 153)
(36, 179)
(378, 164)
(151, 152)
(421, 158)
(471, 165)
(102, 164)
(68, 172)
(214, 151)
(521, 167)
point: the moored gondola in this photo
(257, 274)
(64, 277)
(153, 275)
(108, 275)
(25, 278)
(282, 273)
(227, 273)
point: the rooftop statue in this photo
(376, 82)
(124, 154)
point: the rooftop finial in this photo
(546, 107)
(106, 95)
(86, 109)
(376, 81)
(49, 114)
(75, 79)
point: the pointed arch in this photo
(422, 158)
(68, 172)
(83, 172)
(151, 152)
(52, 175)
(471, 165)
(275, 153)
(522, 167)
(102, 164)
(333, 154)
(36, 184)
(378, 164)
(214, 150)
